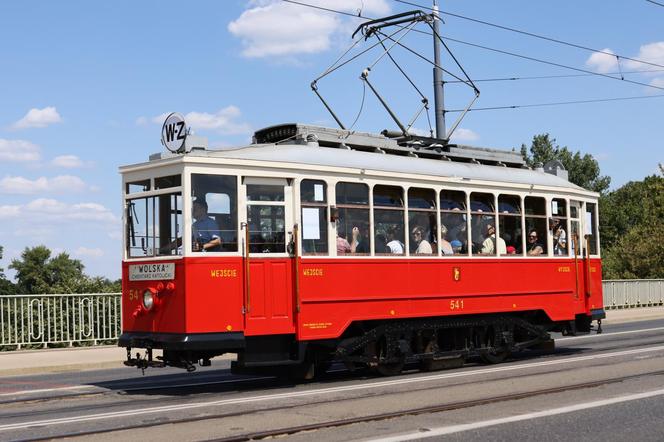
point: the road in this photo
(596, 387)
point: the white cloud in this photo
(91, 253)
(38, 118)
(658, 82)
(461, 134)
(141, 121)
(18, 151)
(53, 210)
(273, 28)
(67, 161)
(651, 52)
(7, 212)
(224, 121)
(58, 184)
(603, 62)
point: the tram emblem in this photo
(456, 273)
(174, 132)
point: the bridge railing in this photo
(43, 320)
(632, 293)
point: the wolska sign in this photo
(174, 132)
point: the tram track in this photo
(279, 432)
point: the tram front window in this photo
(214, 210)
(153, 224)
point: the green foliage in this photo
(38, 273)
(6, 286)
(583, 170)
(632, 230)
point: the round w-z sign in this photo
(174, 132)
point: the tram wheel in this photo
(392, 368)
(494, 356)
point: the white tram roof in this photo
(303, 155)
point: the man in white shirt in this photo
(489, 244)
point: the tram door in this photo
(269, 292)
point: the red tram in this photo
(316, 245)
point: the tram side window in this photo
(559, 227)
(536, 230)
(388, 210)
(164, 182)
(483, 225)
(453, 216)
(154, 226)
(591, 231)
(509, 223)
(575, 243)
(137, 186)
(353, 219)
(313, 194)
(422, 216)
(215, 212)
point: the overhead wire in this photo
(547, 77)
(656, 3)
(586, 72)
(531, 34)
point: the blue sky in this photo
(83, 86)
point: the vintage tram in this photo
(316, 245)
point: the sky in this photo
(84, 88)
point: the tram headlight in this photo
(148, 299)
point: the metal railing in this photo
(43, 320)
(633, 293)
(50, 320)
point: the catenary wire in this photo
(560, 103)
(656, 3)
(548, 77)
(500, 51)
(530, 34)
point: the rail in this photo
(93, 318)
(633, 293)
(59, 320)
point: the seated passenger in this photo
(381, 244)
(343, 246)
(457, 246)
(359, 244)
(489, 244)
(205, 230)
(559, 238)
(445, 246)
(534, 247)
(396, 247)
(423, 246)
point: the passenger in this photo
(358, 244)
(395, 246)
(534, 247)
(511, 250)
(423, 246)
(559, 238)
(381, 244)
(445, 245)
(457, 246)
(205, 230)
(343, 246)
(489, 244)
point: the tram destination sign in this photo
(174, 132)
(151, 272)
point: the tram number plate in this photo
(150, 272)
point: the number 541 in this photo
(456, 304)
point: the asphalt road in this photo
(596, 387)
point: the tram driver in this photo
(205, 231)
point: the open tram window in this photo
(536, 229)
(558, 227)
(509, 223)
(591, 228)
(353, 219)
(388, 210)
(214, 206)
(483, 225)
(575, 243)
(453, 220)
(154, 226)
(137, 186)
(422, 216)
(164, 182)
(313, 194)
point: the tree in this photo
(632, 230)
(583, 170)
(38, 273)
(6, 286)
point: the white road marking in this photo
(48, 390)
(442, 431)
(610, 334)
(320, 391)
